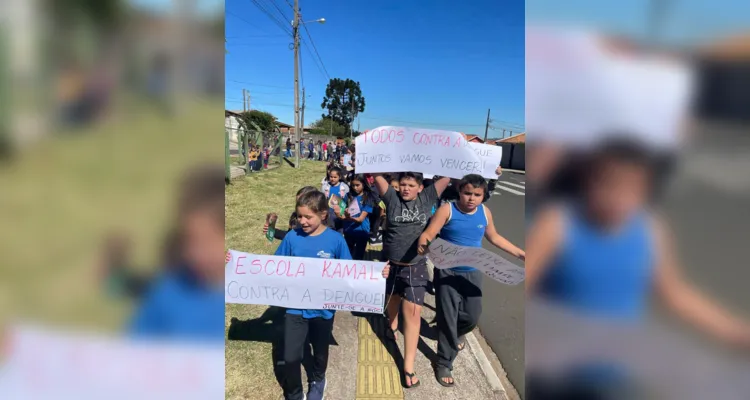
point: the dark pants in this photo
(296, 332)
(357, 245)
(459, 305)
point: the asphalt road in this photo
(502, 321)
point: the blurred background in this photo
(674, 76)
(104, 107)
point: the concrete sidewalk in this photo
(362, 367)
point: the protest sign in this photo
(44, 363)
(354, 209)
(304, 283)
(347, 160)
(444, 153)
(447, 255)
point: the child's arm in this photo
(362, 216)
(498, 241)
(441, 184)
(687, 301)
(436, 224)
(544, 238)
(381, 185)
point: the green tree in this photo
(343, 100)
(254, 119)
(327, 126)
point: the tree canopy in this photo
(327, 126)
(343, 100)
(265, 120)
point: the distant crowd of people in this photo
(320, 150)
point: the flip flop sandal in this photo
(461, 344)
(411, 377)
(443, 372)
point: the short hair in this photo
(411, 175)
(316, 202)
(621, 149)
(475, 180)
(337, 170)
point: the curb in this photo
(484, 364)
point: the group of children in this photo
(403, 211)
(258, 157)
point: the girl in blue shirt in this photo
(459, 290)
(357, 227)
(310, 239)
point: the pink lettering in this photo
(237, 266)
(350, 270)
(300, 270)
(269, 262)
(256, 263)
(326, 265)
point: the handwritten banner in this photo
(44, 363)
(444, 153)
(304, 283)
(447, 255)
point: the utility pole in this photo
(503, 133)
(351, 126)
(487, 127)
(295, 31)
(302, 118)
(246, 133)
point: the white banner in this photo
(447, 255)
(42, 363)
(304, 283)
(443, 153)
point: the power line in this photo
(272, 17)
(315, 61)
(285, 18)
(243, 19)
(316, 50)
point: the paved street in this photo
(502, 321)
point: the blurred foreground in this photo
(106, 106)
(635, 215)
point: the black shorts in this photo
(409, 283)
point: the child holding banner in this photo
(279, 233)
(311, 239)
(407, 212)
(459, 290)
(356, 217)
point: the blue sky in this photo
(437, 67)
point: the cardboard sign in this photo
(447, 255)
(44, 363)
(445, 153)
(305, 283)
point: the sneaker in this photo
(316, 390)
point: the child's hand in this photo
(265, 228)
(423, 246)
(521, 255)
(499, 171)
(387, 269)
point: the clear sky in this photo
(438, 64)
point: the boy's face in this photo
(618, 189)
(308, 220)
(333, 177)
(409, 188)
(204, 243)
(470, 197)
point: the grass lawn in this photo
(249, 368)
(63, 195)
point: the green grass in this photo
(249, 369)
(63, 195)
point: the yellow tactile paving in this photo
(377, 375)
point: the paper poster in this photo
(347, 160)
(447, 255)
(40, 362)
(445, 153)
(305, 283)
(354, 209)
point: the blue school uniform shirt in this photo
(329, 244)
(359, 228)
(465, 230)
(181, 306)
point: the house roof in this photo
(519, 138)
(470, 138)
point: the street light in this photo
(295, 33)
